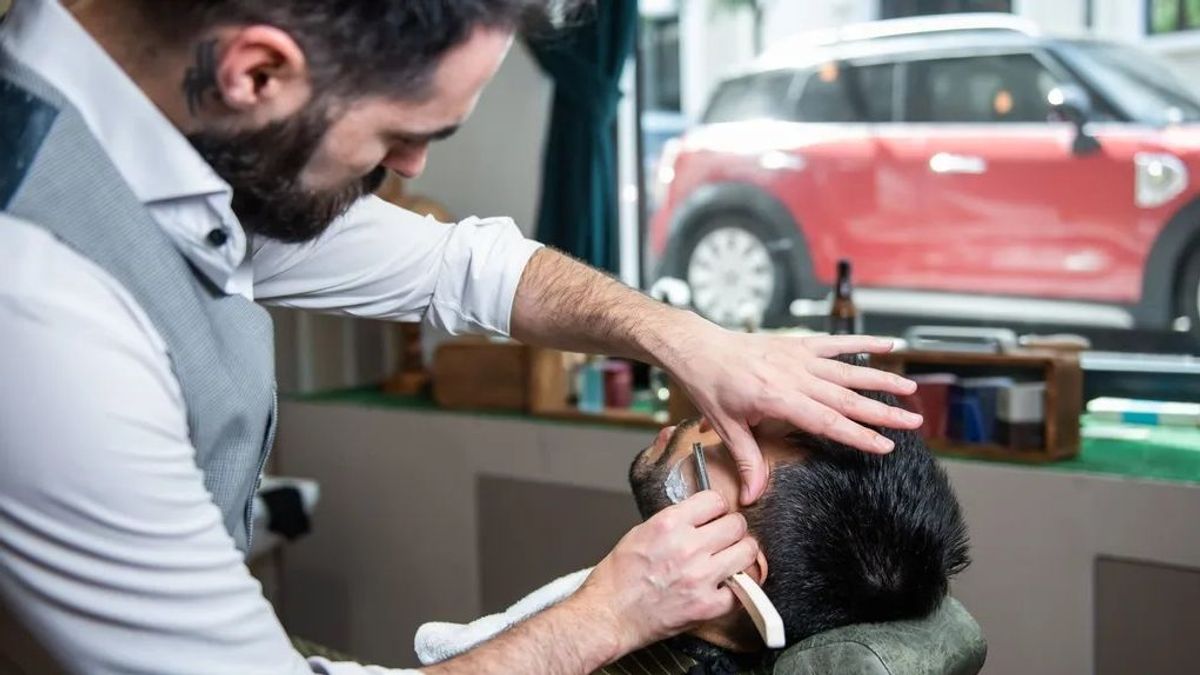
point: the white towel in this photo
(437, 641)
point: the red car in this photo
(967, 167)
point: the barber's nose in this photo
(408, 163)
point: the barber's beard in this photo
(264, 168)
(647, 480)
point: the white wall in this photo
(1062, 15)
(1119, 19)
(787, 17)
(492, 166)
(714, 42)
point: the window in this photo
(660, 63)
(1141, 85)
(762, 96)
(826, 97)
(895, 9)
(1009, 88)
(754, 216)
(1172, 16)
(875, 86)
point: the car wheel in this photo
(734, 277)
(1189, 292)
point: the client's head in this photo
(846, 536)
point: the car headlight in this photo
(1158, 178)
(665, 175)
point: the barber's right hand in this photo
(665, 576)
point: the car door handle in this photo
(948, 162)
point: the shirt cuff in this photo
(510, 280)
(326, 667)
(482, 268)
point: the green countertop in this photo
(1131, 451)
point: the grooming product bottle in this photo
(591, 385)
(843, 315)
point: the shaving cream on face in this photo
(677, 484)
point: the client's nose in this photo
(660, 441)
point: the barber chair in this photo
(948, 642)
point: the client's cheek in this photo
(729, 488)
(723, 477)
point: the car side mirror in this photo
(1071, 103)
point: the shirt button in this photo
(217, 237)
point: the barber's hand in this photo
(739, 380)
(665, 575)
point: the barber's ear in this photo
(260, 71)
(758, 569)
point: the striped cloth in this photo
(664, 659)
(308, 649)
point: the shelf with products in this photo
(1023, 405)
(488, 375)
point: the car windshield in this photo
(1142, 85)
(751, 97)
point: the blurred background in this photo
(1023, 168)
(1022, 164)
(989, 162)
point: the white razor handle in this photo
(764, 615)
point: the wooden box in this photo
(477, 374)
(480, 374)
(1063, 404)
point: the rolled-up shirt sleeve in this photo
(380, 261)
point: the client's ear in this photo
(758, 569)
(771, 428)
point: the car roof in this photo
(899, 39)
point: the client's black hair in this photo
(852, 537)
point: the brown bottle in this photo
(843, 315)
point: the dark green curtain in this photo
(578, 211)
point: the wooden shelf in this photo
(1025, 358)
(1063, 404)
(991, 451)
(613, 416)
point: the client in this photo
(845, 537)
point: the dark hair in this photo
(357, 47)
(852, 537)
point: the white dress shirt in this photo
(111, 550)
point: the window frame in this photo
(902, 63)
(790, 98)
(899, 82)
(847, 80)
(1045, 53)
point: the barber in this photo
(164, 166)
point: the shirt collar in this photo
(155, 159)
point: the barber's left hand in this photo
(738, 380)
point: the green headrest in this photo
(948, 642)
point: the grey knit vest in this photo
(55, 174)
